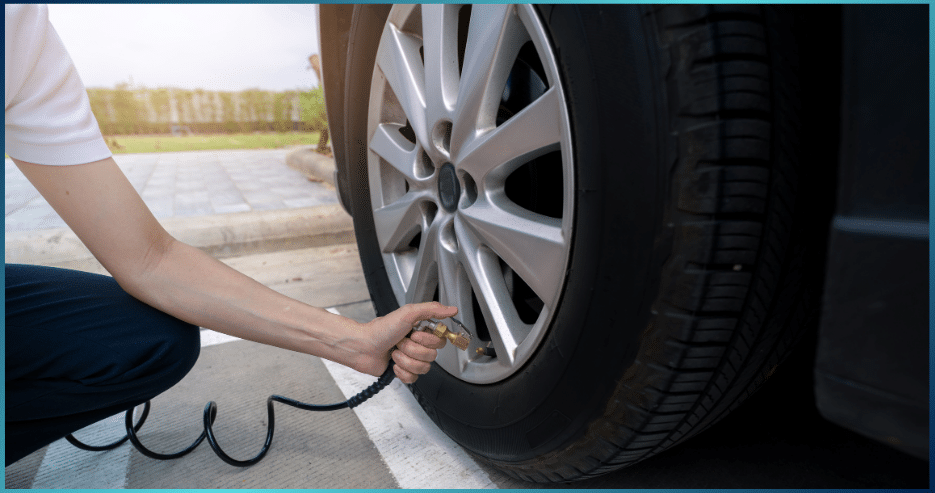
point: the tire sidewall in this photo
(610, 81)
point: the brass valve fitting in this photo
(460, 340)
(486, 351)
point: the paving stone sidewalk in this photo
(185, 184)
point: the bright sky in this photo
(214, 47)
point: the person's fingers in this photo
(403, 375)
(433, 309)
(417, 351)
(410, 364)
(428, 340)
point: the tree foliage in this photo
(127, 110)
(315, 116)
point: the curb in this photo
(313, 165)
(221, 235)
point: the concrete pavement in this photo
(313, 165)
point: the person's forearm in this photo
(98, 202)
(190, 285)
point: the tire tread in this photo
(733, 218)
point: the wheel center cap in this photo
(449, 188)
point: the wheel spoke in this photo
(531, 133)
(453, 286)
(483, 270)
(454, 289)
(439, 42)
(513, 233)
(425, 272)
(494, 38)
(389, 144)
(397, 223)
(398, 57)
(452, 359)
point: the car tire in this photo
(683, 284)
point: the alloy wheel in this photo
(471, 175)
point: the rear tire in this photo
(684, 284)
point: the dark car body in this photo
(871, 373)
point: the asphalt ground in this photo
(294, 238)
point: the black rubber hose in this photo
(211, 412)
(131, 434)
(210, 415)
(100, 448)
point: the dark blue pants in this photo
(80, 349)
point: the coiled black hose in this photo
(211, 413)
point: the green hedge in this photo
(126, 111)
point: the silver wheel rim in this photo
(448, 162)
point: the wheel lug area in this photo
(468, 190)
(448, 238)
(425, 168)
(430, 210)
(441, 137)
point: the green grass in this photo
(132, 144)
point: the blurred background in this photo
(194, 77)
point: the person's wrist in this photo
(354, 345)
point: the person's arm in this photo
(108, 215)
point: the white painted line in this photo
(416, 452)
(210, 338)
(65, 466)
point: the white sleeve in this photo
(48, 115)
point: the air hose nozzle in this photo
(459, 340)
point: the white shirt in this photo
(48, 115)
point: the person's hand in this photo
(413, 355)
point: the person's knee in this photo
(166, 350)
(182, 343)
